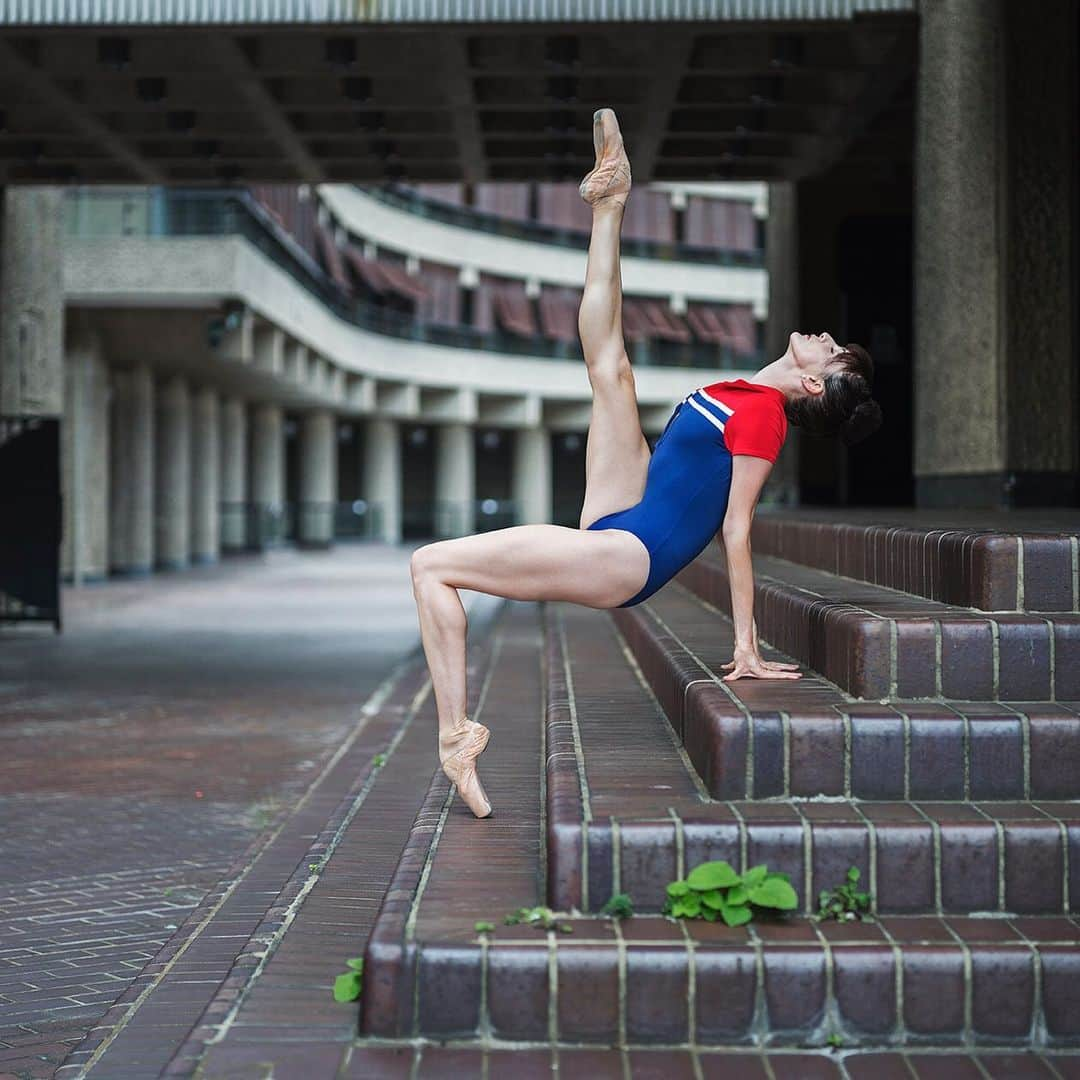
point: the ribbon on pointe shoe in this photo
(458, 750)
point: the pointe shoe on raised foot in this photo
(458, 751)
(610, 178)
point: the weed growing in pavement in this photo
(348, 985)
(714, 890)
(620, 906)
(845, 903)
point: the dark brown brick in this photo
(794, 990)
(817, 754)
(934, 991)
(725, 994)
(1055, 755)
(1002, 991)
(877, 757)
(1034, 868)
(647, 861)
(937, 758)
(657, 985)
(588, 993)
(967, 660)
(916, 656)
(517, 991)
(1024, 659)
(1067, 658)
(448, 981)
(864, 980)
(969, 867)
(1061, 990)
(996, 757)
(905, 867)
(1047, 562)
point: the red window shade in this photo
(636, 324)
(514, 311)
(561, 206)
(442, 304)
(649, 216)
(558, 313)
(367, 270)
(331, 258)
(720, 223)
(503, 200)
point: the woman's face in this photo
(814, 354)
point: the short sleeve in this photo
(757, 428)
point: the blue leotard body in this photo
(686, 491)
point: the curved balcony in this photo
(227, 212)
(468, 217)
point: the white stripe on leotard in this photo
(708, 415)
(726, 409)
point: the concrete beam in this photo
(456, 403)
(399, 400)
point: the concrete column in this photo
(205, 476)
(382, 477)
(131, 502)
(172, 470)
(267, 473)
(32, 301)
(532, 477)
(995, 237)
(234, 473)
(959, 418)
(84, 472)
(782, 264)
(455, 480)
(318, 478)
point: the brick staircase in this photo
(933, 742)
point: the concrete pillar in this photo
(782, 264)
(32, 301)
(382, 477)
(995, 398)
(234, 473)
(131, 501)
(172, 470)
(532, 479)
(84, 442)
(455, 480)
(267, 474)
(318, 478)
(205, 476)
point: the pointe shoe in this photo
(458, 750)
(610, 178)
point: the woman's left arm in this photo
(748, 474)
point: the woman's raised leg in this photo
(616, 451)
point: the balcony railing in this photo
(468, 217)
(234, 212)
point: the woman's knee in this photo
(424, 562)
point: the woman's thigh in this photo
(616, 451)
(601, 568)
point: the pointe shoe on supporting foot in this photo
(458, 750)
(610, 179)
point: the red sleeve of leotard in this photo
(757, 428)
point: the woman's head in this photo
(834, 388)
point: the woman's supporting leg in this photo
(523, 562)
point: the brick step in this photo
(404, 1060)
(756, 739)
(626, 814)
(945, 981)
(995, 562)
(875, 642)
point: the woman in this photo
(645, 515)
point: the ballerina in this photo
(646, 514)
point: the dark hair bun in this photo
(864, 421)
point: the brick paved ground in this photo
(144, 749)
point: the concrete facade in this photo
(455, 480)
(172, 470)
(234, 473)
(318, 478)
(84, 445)
(382, 477)
(995, 167)
(32, 301)
(131, 518)
(532, 480)
(205, 476)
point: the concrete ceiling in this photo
(219, 104)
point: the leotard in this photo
(689, 474)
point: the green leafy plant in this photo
(835, 1041)
(483, 927)
(378, 759)
(715, 890)
(348, 985)
(620, 906)
(845, 902)
(538, 916)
